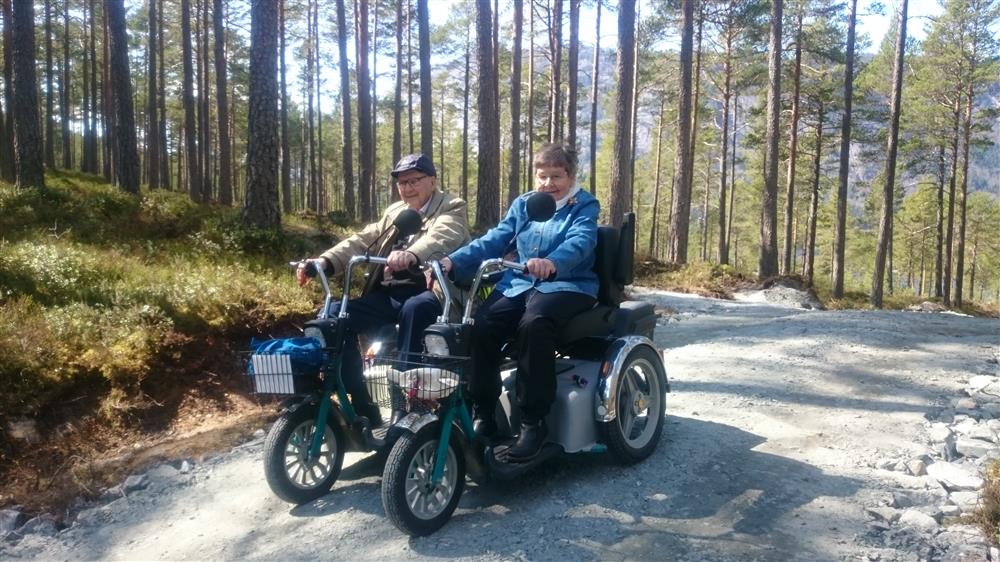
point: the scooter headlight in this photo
(436, 344)
(315, 333)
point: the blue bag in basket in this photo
(305, 354)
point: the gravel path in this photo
(777, 422)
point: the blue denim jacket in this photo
(567, 239)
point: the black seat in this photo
(612, 315)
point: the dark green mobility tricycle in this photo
(610, 398)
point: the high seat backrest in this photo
(613, 260)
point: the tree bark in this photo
(595, 75)
(768, 259)
(7, 171)
(885, 223)
(939, 246)
(680, 209)
(261, 207)
(397, 102)
(810, 256)
(222, 101)
(573, 71)
(152, 117)
(365, 148)
(426, 110)
(465, 117)
(793, 148)
(555, 83)
(127, 153)
(190, 125)
(840, 229)
(656, 180)
(50, 141)
(514, 172)
(723, 249)
(967, 134)
(286, 156)
(950, 230)
(64, 96)
(620, 160)
(309, 77)
(488, 196)
(162, 101)
(347, 148)
(27, 137)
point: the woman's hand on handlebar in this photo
(302, 273)
(541, 268)
(445, 264)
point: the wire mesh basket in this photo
(271, 373)
(404, 381)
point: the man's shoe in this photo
(529, 442)
(371, 412)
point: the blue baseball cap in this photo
(420, 162)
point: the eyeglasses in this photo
(411, 182)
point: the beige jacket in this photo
(445, 229)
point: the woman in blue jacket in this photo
(532, 306)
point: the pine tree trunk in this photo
(426, 109)
(50, 140)
(573, 71)
(364, 112)
(374, 110)
(555, 83)
(680, 209)
(190, 125)
(397, 100)
(109, 145)
(7, 158)
(409, 76)
(620, 165)
(768, 260)
(347, 144)
(723, 249)
(635, 113)
(950, 229)
(656, 181)
(967, 133)
(27, 137)
(153, 128)
(595, 75)
(514, 172)
(323, 206)
(261, 207)
(286, 163)
(222, 108)
(64, 96)
(810, 256)
(840, 229)
(309, 76)
(939, 246)
(530, 123)
(204, 113)
(488, 196)
(696, 99)
(793, 149)
(127, 153)
(465, 118)
(885, 223)
(162, 102)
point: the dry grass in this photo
(988, 514)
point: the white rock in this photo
(966, 404)
(994, 553)
(259, 434)
(916, 519)
(42, 525)
(10, 519)
(950, 510)
(135, 483)
(940, 432)
(185, 467)
(966, 501)
(917, 467)
(24, 429)
(975, 448)
(954, 477)
(887, 514)
(980, 382)
(163, 472)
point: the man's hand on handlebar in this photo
(400, 260)
(541, 268)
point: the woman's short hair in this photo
(556, 154)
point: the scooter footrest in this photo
(503, 467)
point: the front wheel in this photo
(291, 474)
(639, 407)
(414, 504)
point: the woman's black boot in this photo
(530, 441)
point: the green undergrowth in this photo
(100, 289)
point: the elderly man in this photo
(396, 294)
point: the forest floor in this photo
(779, 424)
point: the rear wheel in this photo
(639, 407)
(413, 503)
(293, 476)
